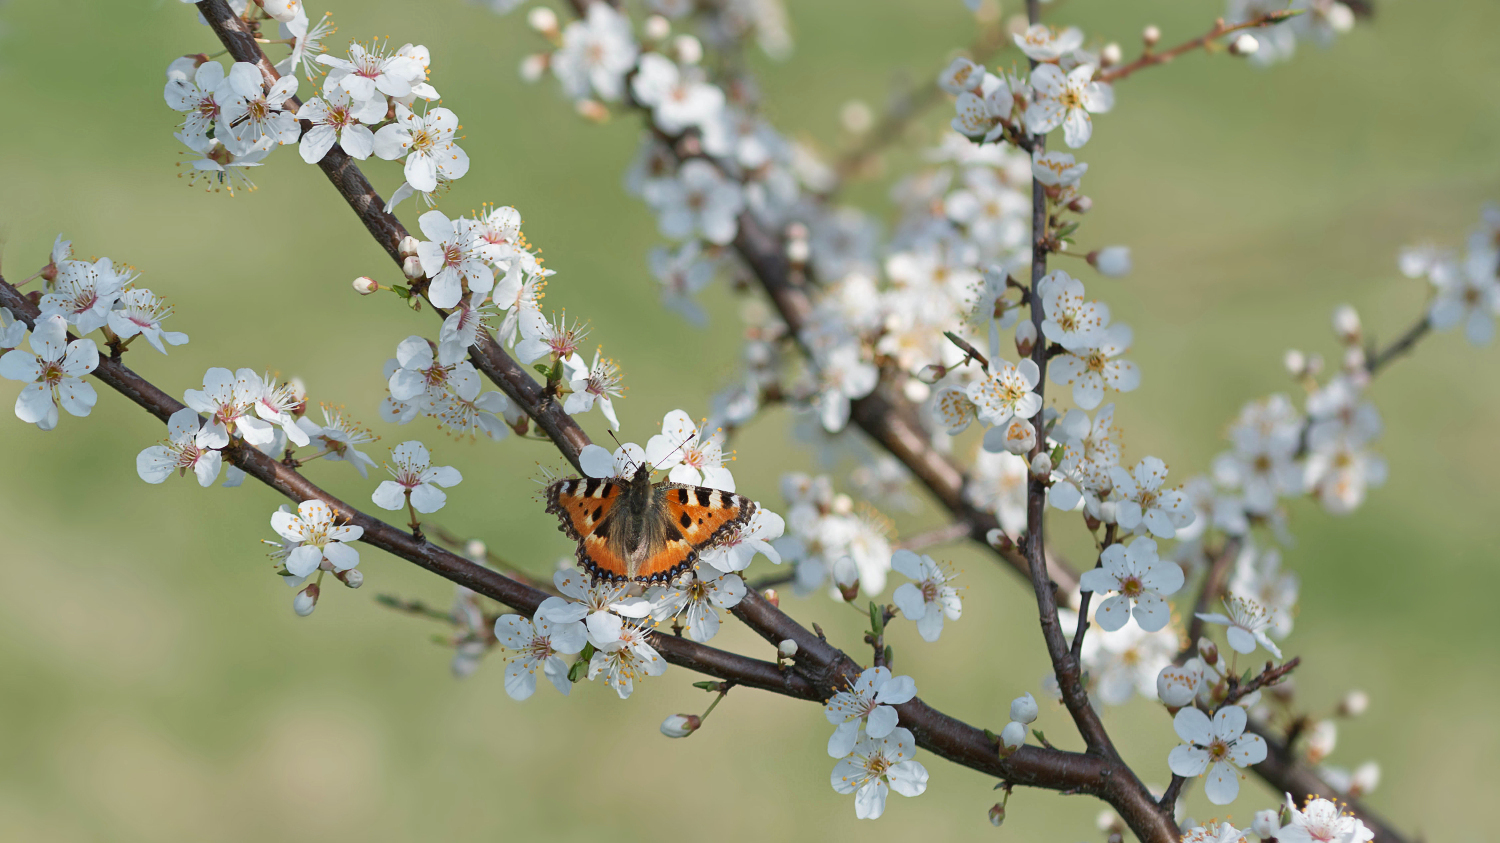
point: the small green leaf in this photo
(877, 620)
(992, 737)
(1039, 736)
(403, 292)
(708, 685)
(543, 369)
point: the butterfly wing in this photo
(690, 518)
(582, 504)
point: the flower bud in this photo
(1110, 55)
(1081, 205)
(1012, 737)
(680, 725)
(657, 28)
(772, 597)
(593, 111)
(689, 50)
(1354, 704)
(353, 577)
(533, 66)
(1295, 362)
(543, 20)
(1176, 686)
(997, 539)
(798, 250)
(1023, 708)
(411, 267)
(1208, 651)
(1041, 466)
(1020, 436)
(856, 117)
(407, 248)
(365, 285)
(932, 373)
(1321, 739)
(1365, 778)
(1346, 324)
(846, 577)
(1245, 45)
(1150, 35)
(306, 600)
(1111, 261)
(1267, 823)
(997, 814)
(1025, 337)
(787, 648)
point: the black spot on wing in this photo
(682, 496)
(673, 534)
(590, 486)
(705, 496)
(687, 520)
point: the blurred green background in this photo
(156, 685)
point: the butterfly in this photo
(630, 529)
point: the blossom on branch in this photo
(878, 765)
(180, 452)
(1216, 747)
(539, 643)
(53, 372)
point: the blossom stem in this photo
(416, 525)
(723, 692)
(28, 279)
(1204, 42)
(1087, 596)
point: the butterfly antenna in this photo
(618, 445)
(691, 437)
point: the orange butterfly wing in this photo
(582, 504)
(696, 517)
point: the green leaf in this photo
(877, 620)
(708, 685)
(543, 369)
(1039, 736)
(403, 292)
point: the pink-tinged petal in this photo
(1187, 760)
(1113, 613)
(1222, 784)
(1194, 727)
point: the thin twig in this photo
(1219, 30)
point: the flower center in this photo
(1131, 586)
(52, 374)
(1218, 750)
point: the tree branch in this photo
(1219, 30)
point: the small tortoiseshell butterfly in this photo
(634, 530)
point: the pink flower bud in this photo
(407, 248)
(306, 600)
(997, 814)
(1150, 35)
(1208, 651)
(1025, 337)
(846, 576)
(533, 66)
(352, 577)
(543, 20)
(772, 597)
(411, 267)
(787, 648)
(365, 285)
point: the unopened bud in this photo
(365, 285)
(1108, 821)
(407, 248)
(543, 20)
(1365, 778)
(772, 597)
(1081, 205)
(1024, 709)
(1176, 686)
(1110, 55)
(1295, 362)
(1346, 324)
(1245, 45)
(1025, 337)
(787, 648)
(856, 117)
(798, 250)
(476, 549)
(997, 814)
(1012, 737)
(1266, 824)
(1321, 739)
(1020, 436)
(997, 539)
(680, 725)
(1041, 466)
(306, 600)
(846, 577)
(932, 373)
(689, 49)
(534, 66)
(1208, 651)
(354, 578)
(1354, 704)
(657, 28)
(592, 110)
(411, 267)
(1111, 261)
(1150, 35)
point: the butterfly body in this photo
(630, 529)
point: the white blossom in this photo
(416, 479)
(1067, 101)
(876, 766)
(53, 374)
(1140, 578)
(696, 597)
(1216, 747)
(320, 541)
(1247, 622)
(179, 452)
(538, 643)
(869, 704)
(930, 598)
